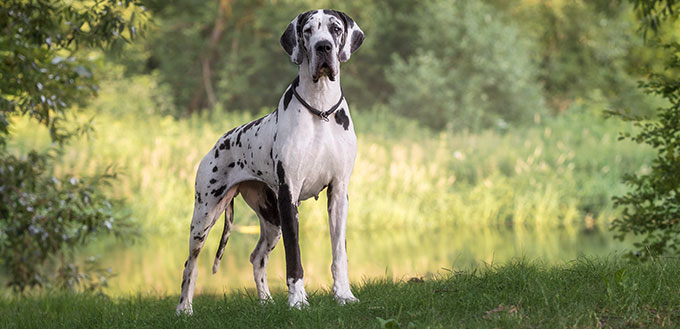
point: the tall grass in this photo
(558, 171)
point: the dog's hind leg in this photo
(263, 200)
(205, 215)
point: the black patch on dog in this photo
(288, 39)
(342, 119)
(275, 137)
(302, 20)
(262, 262)
(289, 227)
(198, 197)
(215, 169)
(218, 191)
(213, 181)
(269, 209)
(229, 132)
(259, 173)
(262, 280)
(195, 252)
(238, 138)
(225, 145)
(241, 164)
(289, 94)
(251, 124)
(217, 153)
(287, 97)
(231, 165)
(357, 40)
(339, 15)
(199, 237)
(181, 299)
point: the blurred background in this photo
(480, 124)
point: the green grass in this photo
(585, 293)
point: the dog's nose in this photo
(323, 47)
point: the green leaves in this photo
(652, 207)
(44, 218)
(42, 73)
(475, 73)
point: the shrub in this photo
(471, 70)
(44, 218)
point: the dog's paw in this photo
(300, 304)
(346, 299)
(184, 309)
(297, 297)
(266, 300)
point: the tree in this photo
(475, 73)
(44, 72)
(652, 207)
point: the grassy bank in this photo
(586, 293)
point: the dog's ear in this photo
(291, 40)
(353, 37)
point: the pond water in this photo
(155, 265)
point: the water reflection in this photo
(155, 266)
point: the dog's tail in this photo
(228, 222)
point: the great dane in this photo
(306, 145)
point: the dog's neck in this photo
(322, 94)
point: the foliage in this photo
(488, 67)
(40, 73)
(247, 56)
(475, 73)
(44, 218)
(581, 57)
(585, 293)
(652, 207)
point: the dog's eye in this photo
(307, 30)
(336, 30)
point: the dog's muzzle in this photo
(324, 63)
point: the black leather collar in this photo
(322, 114)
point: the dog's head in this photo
(324, 38)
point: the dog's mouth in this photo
(324, 70)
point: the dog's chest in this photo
(317, 152)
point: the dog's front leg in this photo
(338, 202)
(297, 297)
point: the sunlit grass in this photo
(585, 293)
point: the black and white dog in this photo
(307, 144)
